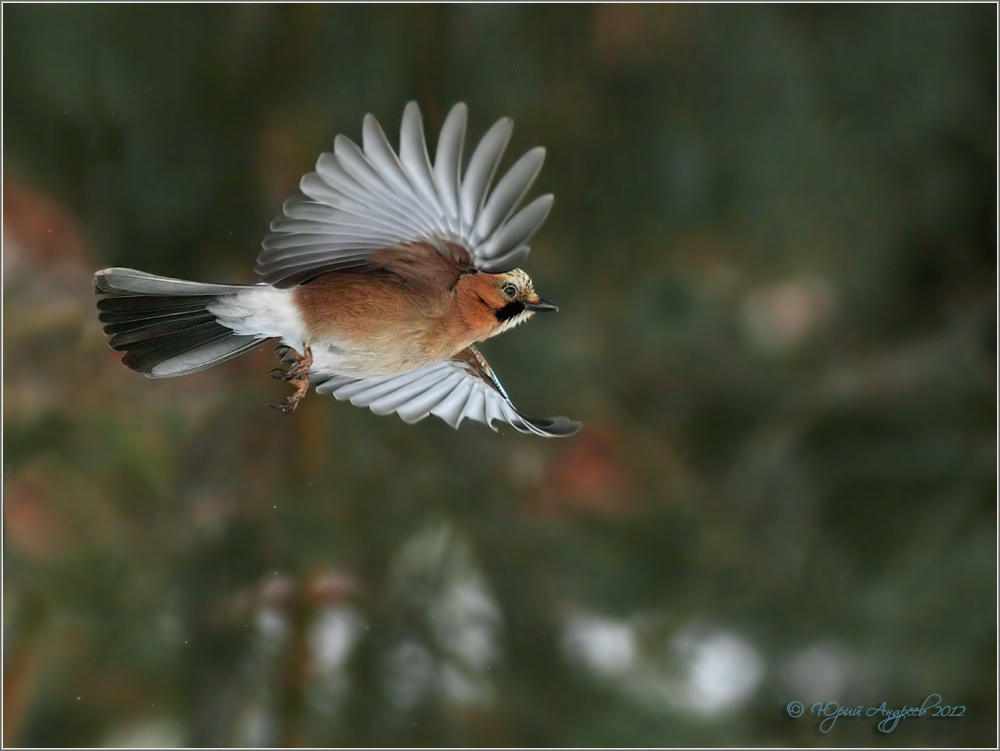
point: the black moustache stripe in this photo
(510, 310)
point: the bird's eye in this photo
(509, 291)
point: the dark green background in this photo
(774, 248)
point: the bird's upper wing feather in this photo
(363, 199)
(462, 388)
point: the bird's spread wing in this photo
(361, 200)
(462, 388)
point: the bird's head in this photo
(511, 299)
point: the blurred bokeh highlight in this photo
(774, 250)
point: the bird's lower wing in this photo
(463, 388)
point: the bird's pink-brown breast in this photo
(399, 319)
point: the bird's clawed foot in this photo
(285, 354)
(298, 374)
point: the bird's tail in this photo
(164, 325)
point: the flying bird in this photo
(379, 277)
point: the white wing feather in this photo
(448, 390)
(363, 199)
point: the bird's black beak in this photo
(542, 306)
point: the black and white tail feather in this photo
(163, 325)
(358, 201)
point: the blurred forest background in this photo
(774, 248)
